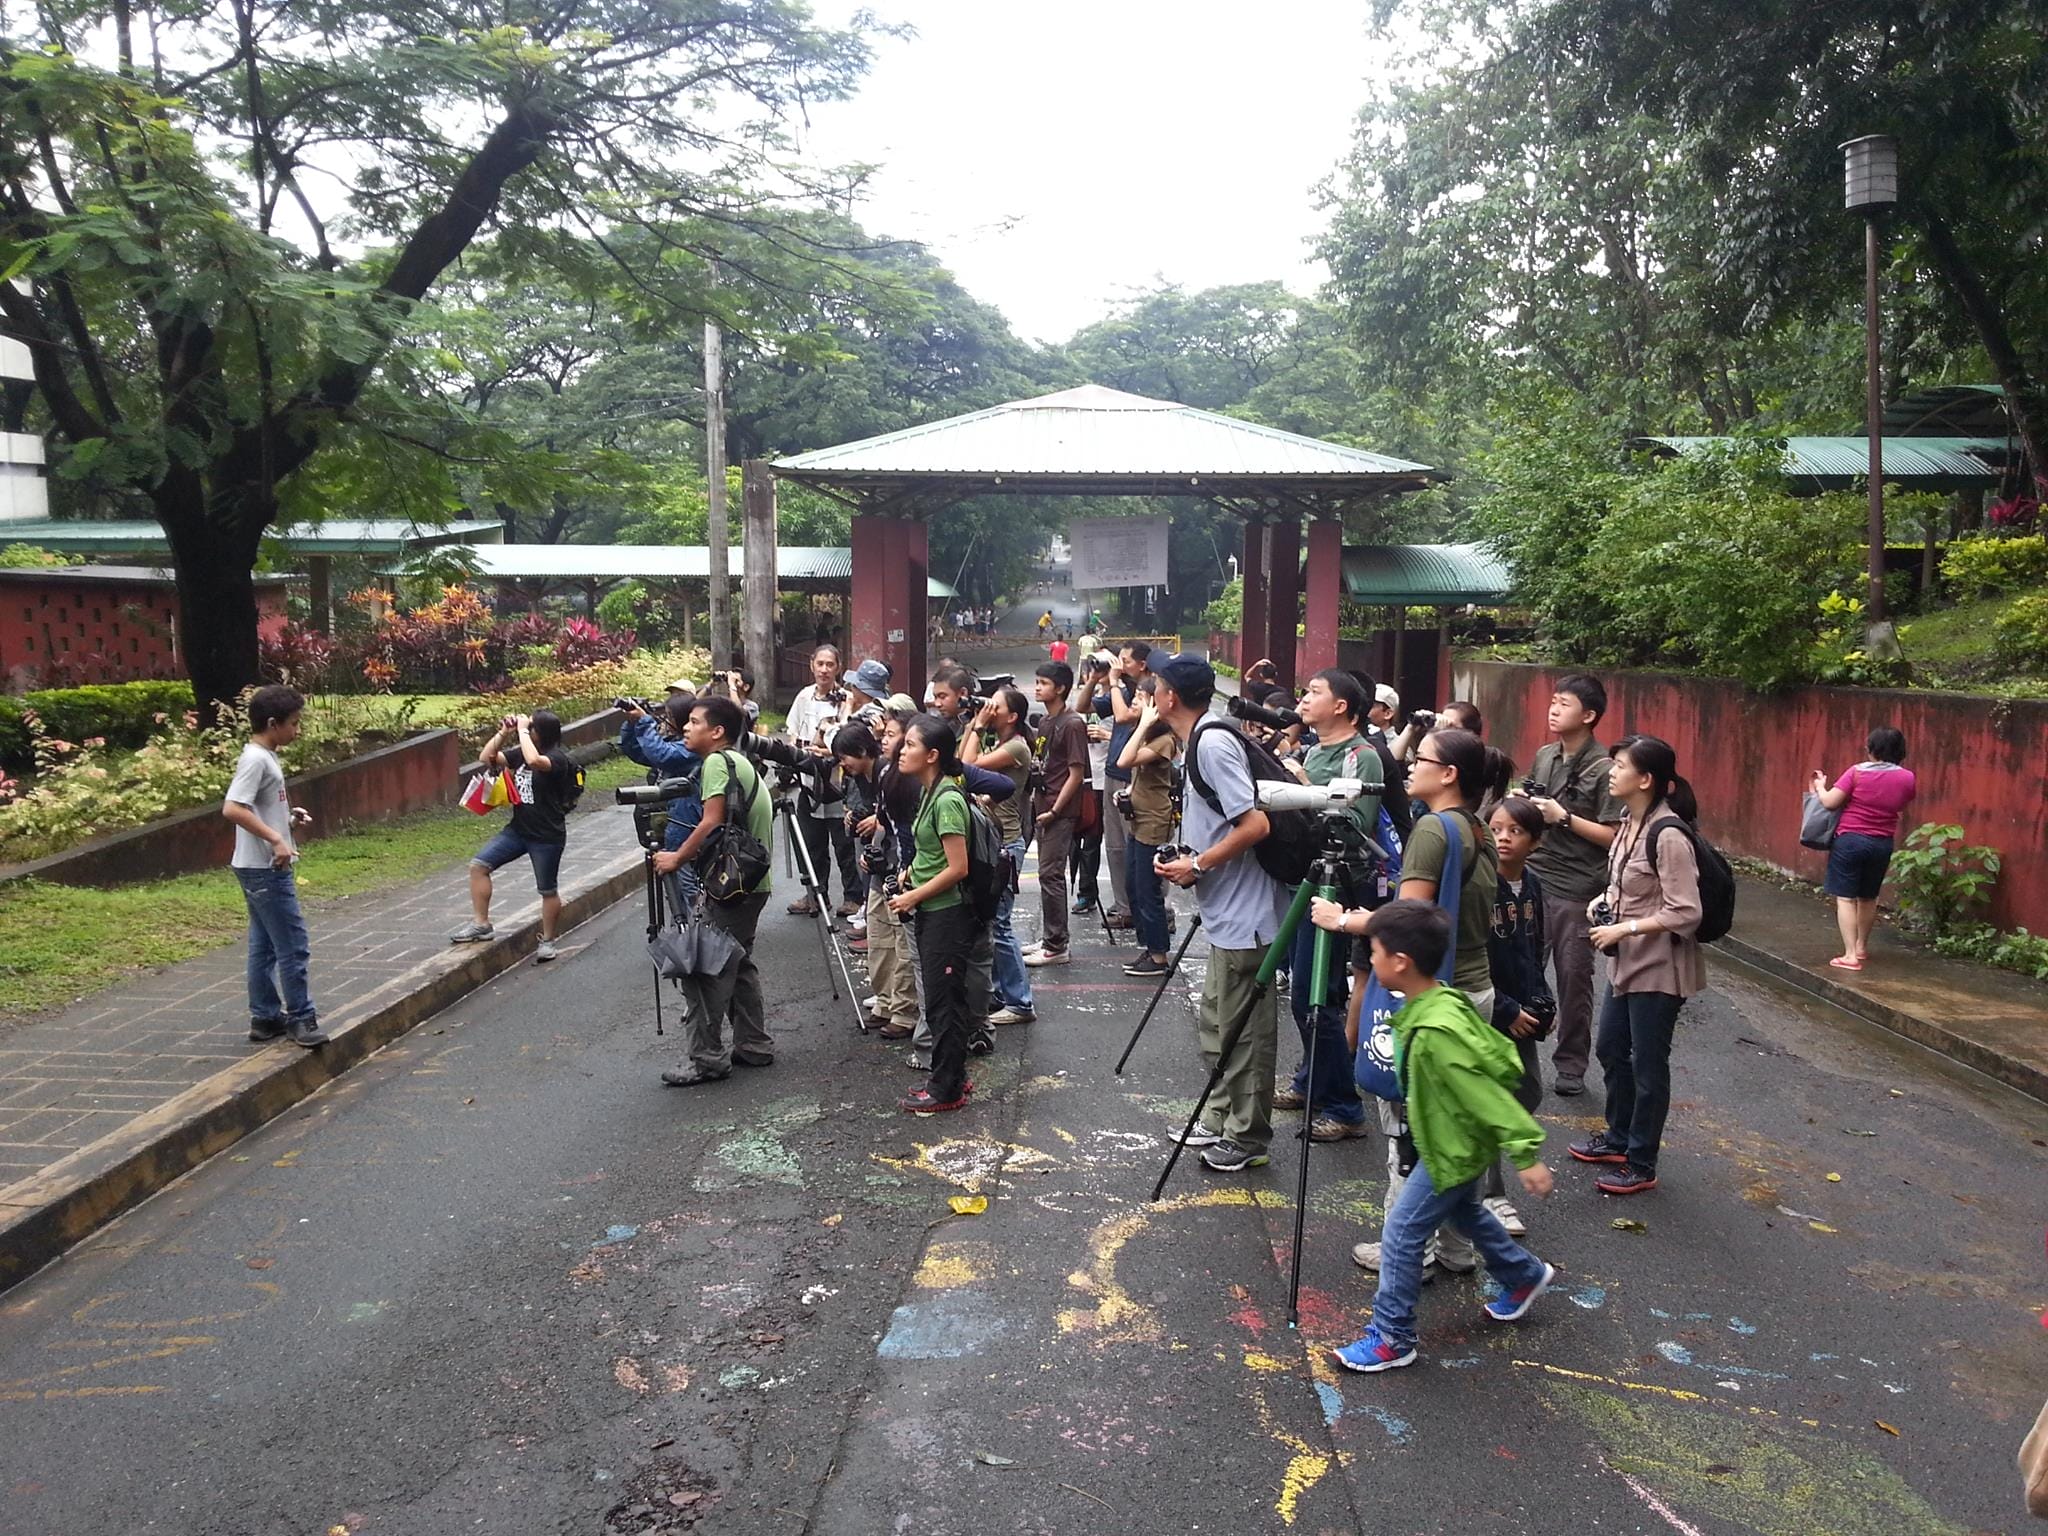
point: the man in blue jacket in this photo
(657, 744)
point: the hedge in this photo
(124, 713)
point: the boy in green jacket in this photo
(1459, 1073)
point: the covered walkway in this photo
(1093, 441)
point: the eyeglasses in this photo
(1437, 760)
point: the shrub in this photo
(123, 713)
(294, 654)
(584, 644)
(1226, 613)
(1942, 880)
(2020, 637)
(1977, 566)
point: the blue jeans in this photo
(1012, 981)
(277, 944)
(1148, 896)
(1419, 1211)
(1336, 1089)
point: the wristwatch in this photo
(1195, 864)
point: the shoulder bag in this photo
(735, 862)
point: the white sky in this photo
(1059, 155)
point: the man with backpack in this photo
(737, 812)
(1242, 907)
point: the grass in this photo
(64, 942)
(1951, 648)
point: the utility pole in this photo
(757, 509)
(1870, 183)
(714, 470)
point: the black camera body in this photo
(1125, 806)
(1258, 714)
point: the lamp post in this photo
(1870, 185)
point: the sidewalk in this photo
(1995, 1021)
(106, 1102)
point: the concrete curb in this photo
(45, 1214)
(2021, 1076)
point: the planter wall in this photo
(1979, 761)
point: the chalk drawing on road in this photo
(974, 1163)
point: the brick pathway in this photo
(71, 1077)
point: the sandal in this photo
(1842, 963)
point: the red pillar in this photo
(1283, 593)
(909, 661)
(869, 621)
(1324, 579)
(1251, 630)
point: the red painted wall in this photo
(65, 629)
(1979, 762)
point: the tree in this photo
(200, 325)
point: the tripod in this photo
(1324, 880)
(807, 875)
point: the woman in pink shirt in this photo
(1870, 797)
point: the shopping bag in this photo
(1817, 824)
(476, 794)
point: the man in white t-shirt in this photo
(263, 818)
(815, 715)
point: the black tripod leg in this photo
(807, 874)
(1171, 971)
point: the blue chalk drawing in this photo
(944, 1328)
(1333, 1402)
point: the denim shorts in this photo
(507, 844)
(1856, 865)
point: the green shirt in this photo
(1423, 859)
(1572, 869)
(760, 815)
(941, 814)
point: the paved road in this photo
(500, 1280)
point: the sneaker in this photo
(1083, 904)
(1568, 1087)
(1008, 1015)
(752, 1061)
(1228, 1157)
(1509, 1218)
(848, 908)
(1630, 1181)
(1333, 1128)
(544, 951)
(1147, 966)
(1289, 1097)
(981, 1045)
(307, 1032)
(1199, 1136)
(1120, 921)
(471, 933)
(263, 1031)
(1038, 957)
(1510, 1305)
(858, 944)
(1466, 1263)
(1373, 1353)
(691, 1077)
(1596, 1148)
(919, 1101)
(803, 908)
(1367, 1257)
(898, 1031)
(919, 1061)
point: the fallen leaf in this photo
(261, 1263)
(1820, 1226)
(833, 1220)
(968, 1205)
(1834, 1178)
(685, 1498)
(1880, 1423)
(665, 1440)
(1627, 1224)
(469, 1101)
(1850, 1130)
(990, 1459)
(1897, 1093)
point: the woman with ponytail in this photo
(1652, 907)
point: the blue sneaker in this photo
(1510, 1306)
(1373, 1353)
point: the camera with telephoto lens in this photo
(986, 688)
(650, 806)
(789, 759)
(1257, 714)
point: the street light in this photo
(1870, 185)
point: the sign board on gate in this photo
(1119, 552)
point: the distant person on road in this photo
(1044, 624)
(1653, 966)
(1573, 773)
(1459, 1075)
(1870, 797)
(545, 783)
(1057, 651)
(263, 817)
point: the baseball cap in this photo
(1186, 674)
(1386, 695)
(682, 685)
(899, 704)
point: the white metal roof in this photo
(659, 562)
(1093, 432)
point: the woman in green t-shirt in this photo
(1454, 771)
(948, 936)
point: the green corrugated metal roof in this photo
(1436, 575)
(333, 536)
(1830, 463)
(1941, 409)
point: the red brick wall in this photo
(70, 629)
(1979, 762)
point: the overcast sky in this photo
(1059, 155)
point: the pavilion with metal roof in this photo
(1424, 575)
(1093, 441)
(1816, 464)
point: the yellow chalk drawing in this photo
(949, 1264)
(1067, 1136)
(1767, 1480)
(1116, 1318)
(1266, 1363)
(972, 1162)
(1676, 1394)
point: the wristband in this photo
(1634, 927)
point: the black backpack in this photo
(1288, 850)
(1717, 880)
(986, 875)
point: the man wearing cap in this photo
(1242, 908)
(815, 714)
(1386, 709)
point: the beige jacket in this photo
(1670, 892)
